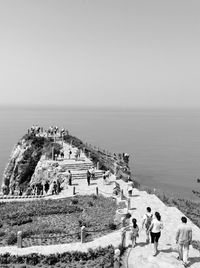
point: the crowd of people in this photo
(50, 132)
(153, 225)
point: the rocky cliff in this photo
(24, 167)
(22, 162)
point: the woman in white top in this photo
(155, 231)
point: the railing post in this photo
(97, 165)
(52, 153)
(74, 190)
(117, 258)
(19, 239)
(129, 203)
(122, 195)
(97, 191)
(123, 222)
(123, 238)
(83, 234)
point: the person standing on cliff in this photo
(183, 239)
(70, 152)
(130, 186)
(88, 177)
(69, 177)
(147, 219)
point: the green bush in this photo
(196, 244)
(2, 233)
(112, 226)
(11, 238)
(49, 147)
(74, 201)
(20, 220)
(100, 257)
(90, 204)
(59, 216)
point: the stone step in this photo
(84, 166)
(83, 174)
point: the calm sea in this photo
(164, 144)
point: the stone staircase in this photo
(82, 174)
(76, 165)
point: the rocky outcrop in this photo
(22, 163)
(25, 169)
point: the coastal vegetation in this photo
(100, 257)
(107, 161)
(31, 147)
(190, 208)
(56, 221)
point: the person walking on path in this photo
(130, 186)
(147, 219)
(88, 177)
(183, 239)
(92, 172)
(55, 190)
(104, 177)
(155, 231)
(134, 232)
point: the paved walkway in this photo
(141, 255)
(104, 241)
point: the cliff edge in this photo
(37, 158)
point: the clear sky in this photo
(100, 52)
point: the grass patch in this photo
(63, 216)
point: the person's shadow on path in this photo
(167, 250)
(141, 244)
(193, 260)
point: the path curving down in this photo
(141, 255)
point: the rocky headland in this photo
(43, 156)
(36, 159)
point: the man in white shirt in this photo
(147, 219)
(183, 239)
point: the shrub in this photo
(90, 204)
(83, 222)
(47, 150)
(33, 259)
(100, 257)
(94, 197)
(112, 226)
(11, 238)
(20, 221)
(196, 244)
(2, 233)
(74, 201)
(51, 259)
